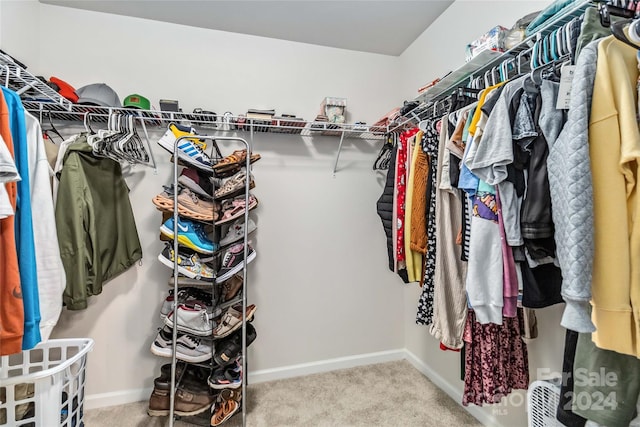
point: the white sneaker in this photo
(236, 231)
(189, 349)
(192, 320)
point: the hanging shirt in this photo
(51, 275)
(8, 173)
(11, 305)
(23, 224)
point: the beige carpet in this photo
(388, 394)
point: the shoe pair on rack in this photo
(190, 266)
(193, 395)
(190, 150)
(191, 234)
(228, 349)
(189, 348)
(235, 232)
(190, 205)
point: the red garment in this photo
(11, 305)
(401, 184)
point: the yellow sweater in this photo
(614, 148)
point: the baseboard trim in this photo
(101, 400)
(327, 365)
(448, 388)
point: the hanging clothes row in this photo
(527, 199)
(82, 234)
(31, 273)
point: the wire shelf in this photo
(285, 125)
(481, 64)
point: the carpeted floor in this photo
(388, 394)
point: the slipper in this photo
(237, 158)
(235, 209)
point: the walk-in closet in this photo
(319, 213)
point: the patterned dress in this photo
(425, 305)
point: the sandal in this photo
(232, 320)
(227, 404)
(234, 208)
(237, 158)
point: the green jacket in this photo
(96, 229)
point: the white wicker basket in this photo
(44, 387)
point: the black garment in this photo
(385, 207)
(541, 285)
(564, 413)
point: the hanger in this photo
(51, 129)
(617, 29)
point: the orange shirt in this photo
(11, 305)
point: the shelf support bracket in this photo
(335, 165)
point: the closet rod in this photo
(175, 271)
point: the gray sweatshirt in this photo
(571, 189)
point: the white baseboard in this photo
(448, 388)
(327, 365)
(101, 400)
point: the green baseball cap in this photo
(137, 101)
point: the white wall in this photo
(444, 42)
(320, 280)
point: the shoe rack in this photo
(178, 281)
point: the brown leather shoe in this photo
(192, 403)
(159, 403)
(231, 287)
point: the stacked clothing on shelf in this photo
(207, 313)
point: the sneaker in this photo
(191, 206)
(189, 349)
(190, 266)
(194, 320)
(191, 297)
(198, 182)
(236, 231)
(234, 185)
(189, 150)
(191, 235)
(233, 261)
(232, 320)
(227, 405)
(227, 376)
(229, 348)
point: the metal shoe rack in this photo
(176, 284)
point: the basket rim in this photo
(85, 345)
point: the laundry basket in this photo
(44, 387)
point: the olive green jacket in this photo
(96, 229)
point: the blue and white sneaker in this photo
(189, 150)
(190, 234)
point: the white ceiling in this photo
(385, 27)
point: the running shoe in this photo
(190, 266)
(190, 234)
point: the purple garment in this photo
(484, 206)
(510, 277)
